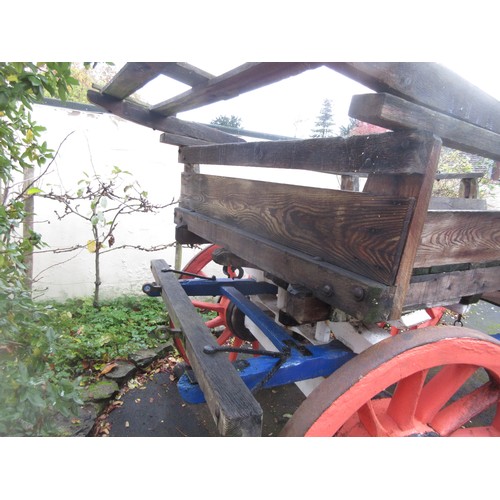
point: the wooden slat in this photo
(459, 237)
(492, 297)
(394, 113)
(249, 76)
(186, 73)
(393, 152)
(141, 115)
(448, 288)
(358, 296)
(232, 405)
(429, 84)
(179, 140)
(356, 231)
(442, 203)
(132, 77)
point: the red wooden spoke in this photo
(354, 400)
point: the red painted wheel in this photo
(226, 315)
(436, 381)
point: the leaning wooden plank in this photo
(139, 114)
(429, 84)
(178, 140)
(492, 298)
(450, 237)
(394, 113)
(448, 288)
(356, 295)
(392, 152)
(232, 405)
(359, 232)
(186, 73)
(132, 77)
(249, 76)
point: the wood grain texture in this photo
(430, 85)
(393, 152)
(394, 113)
(453, 237)
(232, 405)
(356, 295)
(186, 73)
(356, 231)
(418, 187)
(448, 288)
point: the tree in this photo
(102, 202)
(345, 130)
(226, 121)
(30, 391)
(324, 121)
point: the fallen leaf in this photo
(107, 369)
(127, 424)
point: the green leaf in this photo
(33, 190)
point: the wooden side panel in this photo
(430, 85)
(394, 113)
(356, 295)
(356, 231)
(448, 288)
(453, 237)
(390, 153)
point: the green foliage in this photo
(227, 121)
(30, 391)
(455, 161)
(324, 121)
(89, 337)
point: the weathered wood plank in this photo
(393, 152)
(448, 288)
(232, 405)
(414, 186)
(186, 73)
(356, 231)
(492, 297)
(453, 237)
(356, 295)
(430, 85)
(141, 115)
(132, 77)
(442, 203)
(394, 113)
(179, 140)
(249, 76)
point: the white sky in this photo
(291, 106)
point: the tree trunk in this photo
(29, 207)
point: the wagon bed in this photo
(372, 255)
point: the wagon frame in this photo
(384, 259)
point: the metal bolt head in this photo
(359, 293)
(327, 290)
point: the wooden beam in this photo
(179, 140)
(249, 76)
(186, 73)
(132, 77)
(429, 84)
(232, 405)
(356, 295)
(415, 186)
(454, 237)
(356, 231)
(139, 114)
(394, 113)
(449, 287)
(392, 152)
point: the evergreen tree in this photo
(226, 121)
(324, 122)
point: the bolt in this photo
(359, 293)
(327, 290)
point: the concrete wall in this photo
(99, 142)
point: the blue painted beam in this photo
(322, 361)
(212, 288)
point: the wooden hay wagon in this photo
(338, 290)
